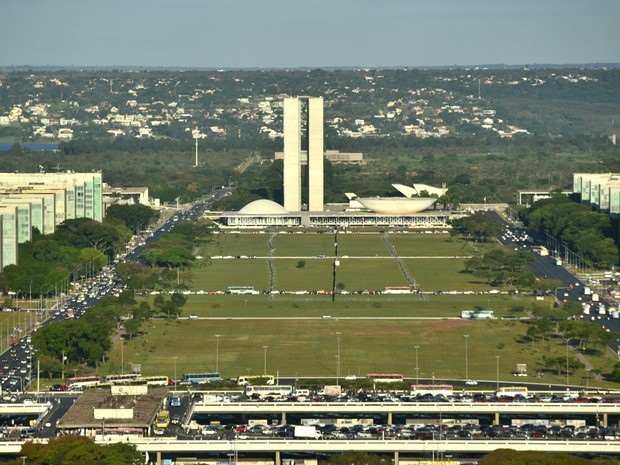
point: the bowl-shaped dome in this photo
(263, 207)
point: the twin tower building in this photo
(303, 146)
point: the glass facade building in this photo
(43, 201)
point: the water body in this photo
(33, 147)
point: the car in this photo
(471, 382)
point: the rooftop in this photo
(82, 412)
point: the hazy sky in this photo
(309, 33)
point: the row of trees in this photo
(86, 341)
(70, 449)
(176, 248)
(586, 232)
(79, 248)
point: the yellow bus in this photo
(247, 380)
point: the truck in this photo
(332, 390)
(310, 432)
(587, 290)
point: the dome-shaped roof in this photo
(263, 207)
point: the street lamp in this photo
(175, 372)
(567, 382)
(265, 361)
(417, 367)
(466, 336)
(217, 353)
(497, 372)
(338, 358)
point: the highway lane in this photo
(16, 363)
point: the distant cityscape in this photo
(60, 106)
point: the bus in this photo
(163, 419)
(511, 391)
(245, 380)
(385, 377)
(81, 382)
(397, 290)
(120, 379)
(432, 389)
(280, 390)
(153, 380)
(200, 378)
(241, 290)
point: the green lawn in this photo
(382, 342)
(303, 245)
(446, 274)
(429, 245)
(362, 245)
(219, 274)
(233, 244)
(309, 347)
(349, 305)
(375, 274)
(316, 274)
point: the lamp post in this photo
(265, 361)
(466, 336)
(338, 358)
(175, 372)
(417, 367)
(567, 379)
(217, 353)
(497, 372)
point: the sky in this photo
(309, 33)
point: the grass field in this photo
(303, 245)
(443, 274)
(237, 244)
(365, 262)
(309, 347)
(219, 274)
(442, 306)
(429, 245)
(301, 342)
(375, 274)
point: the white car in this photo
(471, 382)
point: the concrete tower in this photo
(292, 154)
(315, 154)
(293, 129)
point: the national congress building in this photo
(304, 149)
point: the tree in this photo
(84, 233)
(480, 226)
(136, 217)
(301, 263)
(70, 449)
(512, 457)
(50, 365)
(357, 458)
(587, 333)
(132, 327)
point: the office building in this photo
(303, 131)
(43, 201)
